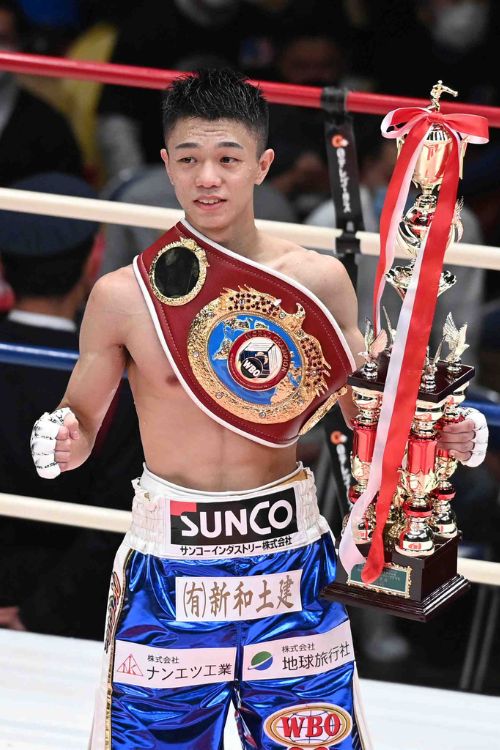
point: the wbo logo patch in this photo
(259, 361)
(313, 725)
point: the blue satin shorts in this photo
(191, 633)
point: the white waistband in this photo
(173, 521)
(153, 483)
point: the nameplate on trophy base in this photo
(416, 588)
(394, 579)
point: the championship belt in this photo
(255, 350)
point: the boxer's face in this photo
(214, 167)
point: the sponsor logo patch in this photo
(240, 521)
(314, 725)
(130, 667)
(261, 661)
(300, 656)
(204, 599)
(146, 666)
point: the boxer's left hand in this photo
(467, 440)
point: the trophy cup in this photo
(419, 574)
(428, 176)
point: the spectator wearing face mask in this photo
(463, 45)
(177, 34)
(296, 134)
(413, 44)
(34, 137)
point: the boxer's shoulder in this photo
(117, 291)
(322, 274)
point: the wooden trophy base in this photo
(416, 588)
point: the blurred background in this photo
(108, 138)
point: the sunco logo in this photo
(250, 520)
(315, 725)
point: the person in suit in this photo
(54, 578)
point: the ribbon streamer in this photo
(415, 320)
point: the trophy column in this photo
(418, 479)
(419, 575)
(365, 428)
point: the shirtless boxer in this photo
(215, 590)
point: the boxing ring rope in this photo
(67, 514)
(321, 238)
(108, 519)
(277, 93)
(38, 356)
(64, 359)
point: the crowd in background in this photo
(392, 46)
(109, 137)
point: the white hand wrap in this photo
(480, 439)
(43, 442)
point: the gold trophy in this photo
(421, 534)
(428, 176)
(418, 480)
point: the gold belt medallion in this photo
(254, 358)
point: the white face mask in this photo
(460, 26)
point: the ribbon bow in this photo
(417, 312)
(404, 119)
(415, 123)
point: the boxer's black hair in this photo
(216, 94)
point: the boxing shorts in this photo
(215, 599)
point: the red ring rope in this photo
(278, 93)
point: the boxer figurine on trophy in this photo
(401, 519)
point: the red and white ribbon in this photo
(417, 312)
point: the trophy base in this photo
(392, 605)
(416, 588)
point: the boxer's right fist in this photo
(51, 441)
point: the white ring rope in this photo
(108, 519)
(321, 238)
(111, 212)
(68, 514)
